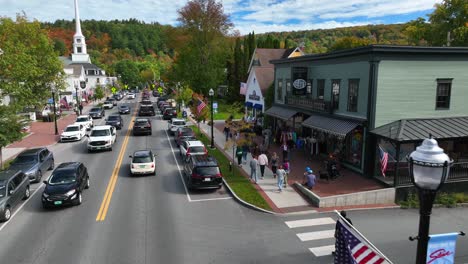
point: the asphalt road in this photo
(153, 219)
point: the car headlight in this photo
(108, 142)
(70, 193)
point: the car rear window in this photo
(95, 109)
(142, 159)
(112, 118)
(197, 149)
(207, 170)
(141, 123)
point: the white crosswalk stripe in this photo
(324, 238)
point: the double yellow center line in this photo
(113, 180)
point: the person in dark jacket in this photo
(239, 154)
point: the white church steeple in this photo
(79, 44)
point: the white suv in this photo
(174, 124)
(192, 148)
(85, 120)
(102, 137)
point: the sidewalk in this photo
(42, 134)
(287, 201)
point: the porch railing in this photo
(458, 172)
(317, 105)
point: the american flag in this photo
(243, 88)
(200, 106)
(350, 249)
(383, 160)
(64, 102)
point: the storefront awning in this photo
(338, 127)
(249, 104)
(280, 112)
(419, 129)
(258, 106)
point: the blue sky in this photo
(247, 15)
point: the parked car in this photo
(113, 100)
(192, 148)
(108, 104)
(142, 126)
(163, 105)
(155, 93)
(143, 162)
(73, 132)
(66, 184)
(146, 110)
(131, 96)
(174, 124)
(202, 172)
(169, 113)
(34, 162)
(85, 120)
(186, 138)
(14, 187)
(101, 138)
(115, 121)
(97, 112)
(123, 109)
(181, 132)
(118, 96)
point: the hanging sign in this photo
(254, 97)
(299, 76)
(441, 248)
(83, 84)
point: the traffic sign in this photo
(113, 90)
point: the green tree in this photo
(417, 31)
(349, 43)
(450, 17)
(60, 47)
(184, 94)
(129, 72)
(99, 92)
(202, 61)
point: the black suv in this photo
(14, 186)
(202, 172)
(146, 102)
(169, 113)
(115, 121)
(142, 126)
(65, 185)
(146, 110)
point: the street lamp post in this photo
(211, 93)
(78, 103)
(53, 89)
(428, 168)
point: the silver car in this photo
(34, 162)
(14, 187)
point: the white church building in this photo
(80, 73)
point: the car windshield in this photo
(100, 133)
(95, 110)
(25, 159)
(114, 118)
(72, 129)
(197, 149)
(178, 123)
(62, 177)
(207, 170)
(107, 102)
(82, 119)
(142, 159)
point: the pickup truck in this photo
(101, 138)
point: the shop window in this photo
(353, 91)
(279, 90)
(97, 80)
(444, 88)
(309, 87)
(288, 87)
(320, 88)
(354, 147)
(336, 93)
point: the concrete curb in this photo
(312, 197)
(246, 203)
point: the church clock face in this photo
(78, 40)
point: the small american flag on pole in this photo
(352, 249)
(383, 160)
(243, 88)
(200, 106)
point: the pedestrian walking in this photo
(274, 163)
(245, 151)
(263, 162)
(309, 178)
(253, 169)
(287, 169)
(226, 132)
(285, 150)
(280, 180)
(239, 155)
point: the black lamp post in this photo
(211, 93)
(78, 103)
(428, 167)
(55, 110)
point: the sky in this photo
(259, 16)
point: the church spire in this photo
(79, 44)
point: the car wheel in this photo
(87, 183)
(27, 193)
(79, 199)
(151, 133)
(52, 165)
(38, 176)
(6, 214)
(110, 149)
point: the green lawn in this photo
(224, 111)
(239, 184)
